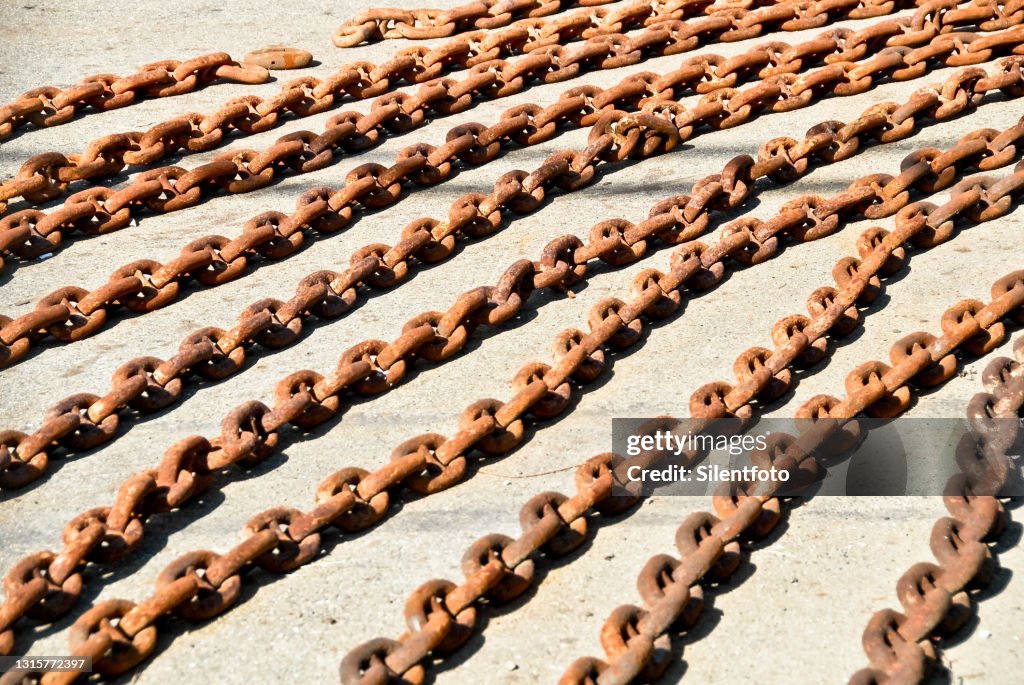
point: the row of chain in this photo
(175, 471)
(534, 32)
(377, 24)
(891, 401)
(635, 638)
(386, 22)
(46, 176)
(71, 313)
(201, 584)
(51, 106)
(148, 384)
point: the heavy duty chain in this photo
(72, 313)
(48, 176)
(763, 375)
(636, 639)
(385, 22)
(48, 106)
(29, 233)
(377, 24)
(561, 265)
(632, 636)
(281, 539)
(937, 597)
(148, 384)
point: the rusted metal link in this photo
(429, 463)
(709, 545)
(99, 210)
(148, 384)
(657, 127)
(48, 106)
(280, 57)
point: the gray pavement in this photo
(796, 612)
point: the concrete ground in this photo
(796, 611)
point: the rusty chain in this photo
(30, 233)
(282, 539)
(513, 290)
(377, 24)
(431, 601)
(636, 639)
(919, 359)
(183, 474)
(147, 384)
(48, 106)
(72, 313)
(937, 598)
(763, 375)
(387, 22)
(48, 176)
